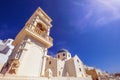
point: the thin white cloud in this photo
(93, 13)
(99, 12)
(112, 7)
(108, 11)
(100, 21)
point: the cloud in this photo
(107, 10)
(98, 12)
(100, 21)
(81, 15)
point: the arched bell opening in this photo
(40, 28)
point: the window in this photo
(80, 69)
(61, 67)
(68, 55)
(63, 54)
(58, 56)
(39, 25)
(49, 62)
(59, 73)
(77, 60)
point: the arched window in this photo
(63, 54)
(59, 73)
(39, 25)
(80, 69)
(77, 60)
(58, 56)
(49, 62)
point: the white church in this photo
(27, 57)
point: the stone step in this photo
(42, 78)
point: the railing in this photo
(38, 32)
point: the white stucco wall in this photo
(31, 60)
(60, 67)
(51, 63)
(70, 68)
(79, 67)
(43, 78)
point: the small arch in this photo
(41, 27)
(80, 69)
(63, 54)
(58, 56)
(77, 60)
(49, 62)
(59, 73)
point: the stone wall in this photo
(42, 78)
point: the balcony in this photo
(40, 35)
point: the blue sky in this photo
(88, 28)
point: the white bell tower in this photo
(31, 45)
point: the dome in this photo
(63, 54)
(62, 50)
